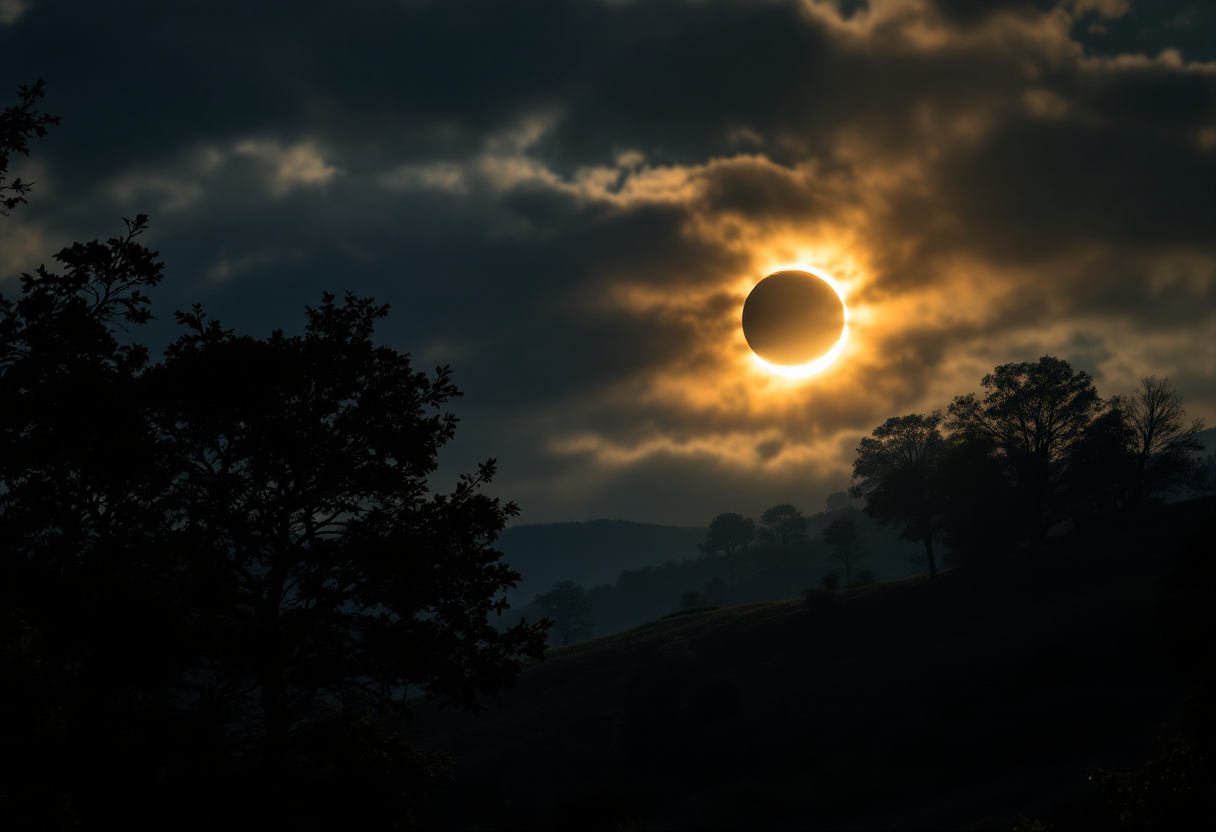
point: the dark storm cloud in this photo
(566, 201)
(1041, 186)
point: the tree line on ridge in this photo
(1038, 450)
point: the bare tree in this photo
(1162, 443)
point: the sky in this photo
(568, 203)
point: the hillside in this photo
(903, 705)
(671, 565)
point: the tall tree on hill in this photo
(1031, 415)
(566, 603)
(848, 548)
(896, 471)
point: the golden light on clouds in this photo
(821, 363)
(984, 182)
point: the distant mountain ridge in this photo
(590, 553)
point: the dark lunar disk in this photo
(792, 317)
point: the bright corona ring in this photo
(796, 322)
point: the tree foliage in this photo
(1161, 441)
(1032, 414)
(981, 519)
(302, 495)
(729, 537)
(728, 534)
(1039, 448)
(896, 471)
(783, 526)
(19, 124)
(214, 561)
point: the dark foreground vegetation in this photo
(222, 570)
(1072, 691)
(1038, 452)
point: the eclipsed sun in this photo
(796, 322)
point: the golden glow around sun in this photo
(824, 361)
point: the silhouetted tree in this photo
(848, 548)
(302, 504)
(566, 604)
(896, 470)
(837, 501)
(17, 126)
(976, 495)
(728, 537)
(1031, 414)
(784, 526)
(277, 537)
(1162, 444)
(1139, 449)
(1101, 467)
(88, 585)
(227, 553)
(728, 534)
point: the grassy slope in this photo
(908, 706)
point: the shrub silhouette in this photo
(830, 582)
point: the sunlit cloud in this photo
(577, 233)
(297, 165)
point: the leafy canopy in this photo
(896, 471)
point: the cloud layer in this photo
(569, 201)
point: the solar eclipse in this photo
(796, 322)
